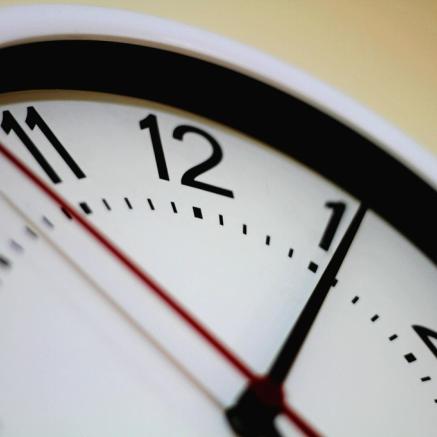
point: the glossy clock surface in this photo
(297, 243)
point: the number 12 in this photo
(189, 177)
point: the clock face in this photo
(186, 250)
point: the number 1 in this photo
(151, 123)
(338, 209)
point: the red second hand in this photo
(240, 366)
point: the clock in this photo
(198, 239)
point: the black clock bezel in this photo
(254, 108)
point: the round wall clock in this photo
(197, 239)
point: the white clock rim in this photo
(23, 24)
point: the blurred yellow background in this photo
(381, 53)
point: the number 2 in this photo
(189, 177)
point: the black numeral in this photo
(189, 177)
(9, 123)
(151, 123)
(34, 119)
(426, 335)
(338, 209)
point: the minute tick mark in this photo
(85, 208)
(149, 201)
(66, 213)
(16, 246)
(410, 357)
(47, 222)
(127, 201)
(30, 232)
(107, 206)
(4, 262)
(425, 379)
(197, 212)
(313, 267)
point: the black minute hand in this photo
(291, 347)
(251, 417)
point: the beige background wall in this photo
(383, 53)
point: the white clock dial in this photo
(185, 250)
